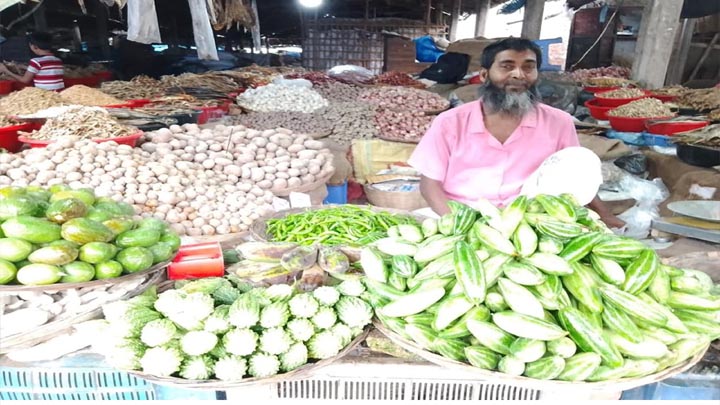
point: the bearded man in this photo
(487, 149)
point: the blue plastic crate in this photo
(337, 194)
(630, 138)
(544, 45)
(685, 386)
(657, 140)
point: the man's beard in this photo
(497, 100)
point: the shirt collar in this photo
(477, 122)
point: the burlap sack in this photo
(371, 156)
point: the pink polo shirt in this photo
(471, 163)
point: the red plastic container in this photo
(139, 102)
(616, 102)
(596, 89)
(104, 76)
(664, 99)
(597, 111)
(197, 261)
(9, 137)
(208, 113)
(130, 140)
(129, 104)
(672, 128)
(90, 81)
(19, 86)
(625, 124)
(6, 86)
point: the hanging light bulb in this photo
(310, 3)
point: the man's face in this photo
(514, 71)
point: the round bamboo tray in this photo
(622, 384)
(64, 324)
(402, 200)
(158, 268)
(218, 385)
(395, 139)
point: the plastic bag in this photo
(142, 22)
(633, 164)
(299, 83)
(202, 30)
(351, 74)
(648, 196)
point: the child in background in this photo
(45, 71)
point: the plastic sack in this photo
(299, 83)
(648, 195)
(142, 22)
(202, 30)
(351, 74)
(426, 50)
(634, 164)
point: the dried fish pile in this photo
(621, 93)
(216, 82)
(714, 115)
(7, 122)
(82, 123)
(700, 99)
(670, 91)
(141, 87)
(708, 136)
(29, 100)
(160, 110)
(83, 95)
(582, 75)
(224, 14)
(314, 77)
(81, 71)
(605, 81)
(643, 108)
(184, 101)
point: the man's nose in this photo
(517, 73)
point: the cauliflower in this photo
(240, 342)
(230, 368)
(158, 332)
(325, 318)
(324, 345)
(263, 365)
(326, 295)
(352, 287)
(354, 312)
(301, 329)
(161, 361)
(274, 315)
(295, 357)
(196, 343)
(126, 354)
(197, 368)
(303, 306)
(245, 312)
(343, 332)
(275, 341)
(218, 322)
(279, 292)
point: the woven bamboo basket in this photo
(305, 371)
(622, 384)
(402, 200)
(396, 139)
(63, 324)
(305, 187)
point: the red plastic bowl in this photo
(626, 124)
(130, 140)
(19, 86)
(6, 86)
(662, 98)
(139, 102)
(596, 89)
(672, 128)
(9, 137)
(616, 102)
(208, 113)
(90, 81)
(597, 111)
(104, 75)
(129, 104)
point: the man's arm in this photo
(605, 215)
(432, 191)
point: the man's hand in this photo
(433, 193)
(612, 221)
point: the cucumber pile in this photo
(59, 235)
(541, 288)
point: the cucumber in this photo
(648, 348)
(482, 357)
(639, 368)
(581, 246)
(523, 273)
(525, 239)
(634, 306)
(528, 350)
(39, 274)
(469, 273)
(55, 255)
(18, 206)
(563, 347)
(117, 208)
(138, 238)
(450, 348)
(14, 249)
(549, 263)
(450, 309)
(373, 264)
(459, 329)
(605, 373)
(97, 252)
(511, 365)
(153, 223)
(490, 335)
(61, 211)
(108, 269)
(7, 272)
(617, 320)
(640, 273)
(422, 335)
(98, 215)
(134, 259)
(526, 326)
(161, 251)
(404, 266)
(31, 229)
(583, 287)
(413, 303)
(495, 302)
(64, 243)
(587, 337)
(679, 300)
(520, 299)
(77, 272)
(580, 367)
(546, 368)
(84, 195)
(119, 224)
(399, 283)
(84, 230)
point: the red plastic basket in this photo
(90, 81)
(16, 86)
(9, 137)
(208, 113)
(597, 89)
(104, 76)
(129, 104)
(597, 111)
(6, 86)
(139, 102)
(664, 99)
(672, 128)
(130, 140)
(616, 102)
(626, 124)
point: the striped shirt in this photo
(48, 72)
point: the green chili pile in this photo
(345, 225)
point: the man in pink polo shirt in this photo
(490, 147)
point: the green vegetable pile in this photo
(59, 235)
(345, 225)
(223, 328)
(541, 289)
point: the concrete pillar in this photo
(456, 7)
(660, 21)
(257, 42)
(532, 19)
(678, 60)
(482, 9)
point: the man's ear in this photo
(483, 75)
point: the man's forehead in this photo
(512, 55)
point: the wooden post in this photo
(678, 60)
(428, 13)
(659, 23)
(257, 42)
(704, 56)
(40, 19)
(101, 18)
(532, 19)
(482, 9)
(456, 10)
